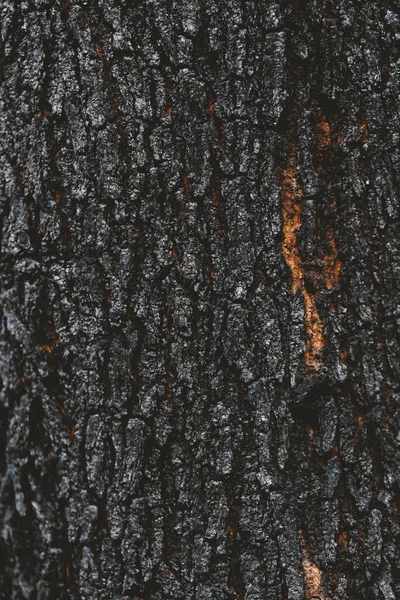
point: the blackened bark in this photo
(199, 318)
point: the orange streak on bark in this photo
(323, 134)
(211, 110)
(311, 433)
(389, 429)
(185, 174)
(312, 574)
(217, 209)
(332, 264)
(26, 386)
(231, 532)
(343, 539)
(170, 396)
(291, 206)
(168, 101)
(47, 348)
(70, 428)
(363, 129)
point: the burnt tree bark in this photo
(199, 316)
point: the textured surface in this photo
(199, 300)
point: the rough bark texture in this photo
(199, 300)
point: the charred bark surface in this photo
(199, 316)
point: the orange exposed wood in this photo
(231, 532)
(211, 110)
(363, 129)
(168, 100)
(311, 433)
(360, 421)
(322, 133)
(291, 206)
(332, 264)
(217, 209)
(312, 574)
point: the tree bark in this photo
(199, 315)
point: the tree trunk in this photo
(200, 262)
